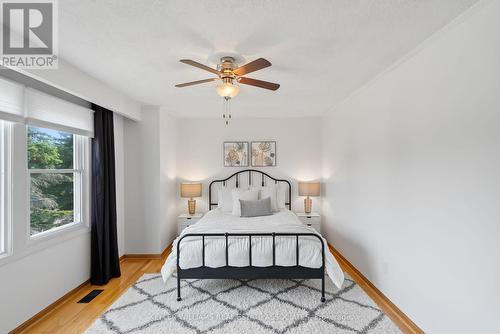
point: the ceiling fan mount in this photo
(227, 63)
(226, 67)
(227, 71)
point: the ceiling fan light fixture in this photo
(227, 90)
(228, 72)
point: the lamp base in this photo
(192, 206)
(307, 204)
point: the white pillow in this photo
(272, 192)
(244, 194)
(281, 192)
(225, 199)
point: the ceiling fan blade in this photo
(196, 64)
(252, 66)
(258, 83)
(195, 82)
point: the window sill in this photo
(55, 232)
(47, 240)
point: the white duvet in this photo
(284, 221)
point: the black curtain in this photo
(105, 263)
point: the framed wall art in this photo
(263, 153)
(236, 154)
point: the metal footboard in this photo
(250, 271)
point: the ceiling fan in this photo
(228, 72)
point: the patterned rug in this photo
(243, 306)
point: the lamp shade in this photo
(309, 189)
(190, 190)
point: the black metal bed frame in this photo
(250, 271)
(263, 176)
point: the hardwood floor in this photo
(67, 316)
(70, 317)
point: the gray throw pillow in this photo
(257, 208)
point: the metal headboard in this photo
(262, 182)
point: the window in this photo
(56, 163)
(4, 186)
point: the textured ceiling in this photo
(321, 50)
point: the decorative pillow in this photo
(244, 194)
(271, 192)
(225, 199)
(261, 207)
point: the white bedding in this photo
(284, 221)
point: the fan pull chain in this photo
(227, 110)
(224, 110)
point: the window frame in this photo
(5, 189)
(81, 180)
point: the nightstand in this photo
(312, 219)
(185, 220)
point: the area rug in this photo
(243, 306)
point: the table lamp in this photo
(190, 190)
(308, 189)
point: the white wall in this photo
(33, 282)
(168, 179)
(149, 174)
(200, 155)
(412, 174)
(120, 180)
(142, 140)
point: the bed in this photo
(224, 246)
